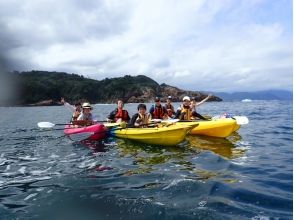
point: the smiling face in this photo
(142, 111)
(186, 102)
(120, 104)
(157, 102)
(86, 110)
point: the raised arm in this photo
(69, 106)
(204, 100)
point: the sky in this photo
(199, 45)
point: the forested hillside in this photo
(47, 88)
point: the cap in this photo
(169, 97)
(157, 99)
(86, 105)
(186, 98)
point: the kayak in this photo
(172, 134)
(92, 132)
(221, 127)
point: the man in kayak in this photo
(85, 118)
(158, 111)
(119, 114)
(169, 107)
(76, 109)
(140, 119)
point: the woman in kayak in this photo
(194, 104)
(76, 109)
(169, 107)
(119, 114)
(85, 118)
(140, 119)
(187, 111)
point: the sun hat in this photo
(86, 105)
(186, 98)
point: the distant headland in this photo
(42, 88)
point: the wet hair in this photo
(141, 106)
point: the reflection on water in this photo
(225, 147)
(146, 157)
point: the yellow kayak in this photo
(166, 135)
(222, 127)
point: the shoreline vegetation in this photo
(42, 88)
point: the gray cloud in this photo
(205, 45)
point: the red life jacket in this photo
(170, 109)
(123, 114)
(158, 112)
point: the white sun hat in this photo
(186, 98)
(86, 105)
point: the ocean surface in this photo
(249, 175)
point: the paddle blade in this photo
(241, 120)
(45, 124)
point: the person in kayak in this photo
(169, 107)
(184, 112)
(158, 111)
(119, 114)
(194, 104)
(76, 109)
(141, 119)
(85, 118)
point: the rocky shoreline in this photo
(52, 102)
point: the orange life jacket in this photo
(158, 112)
(123, 114)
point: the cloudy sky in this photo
(207, 45)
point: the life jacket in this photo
(120, 113)
(158, 112)
(82, 122)
(170, 109)
(186, 113)
(144, 119)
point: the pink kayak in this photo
(92, 132)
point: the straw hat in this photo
(87, 105)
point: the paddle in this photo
(241, 120)
(46, 124)
(165, 121)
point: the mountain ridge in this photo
(46, 88)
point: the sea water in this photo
(249, 175)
